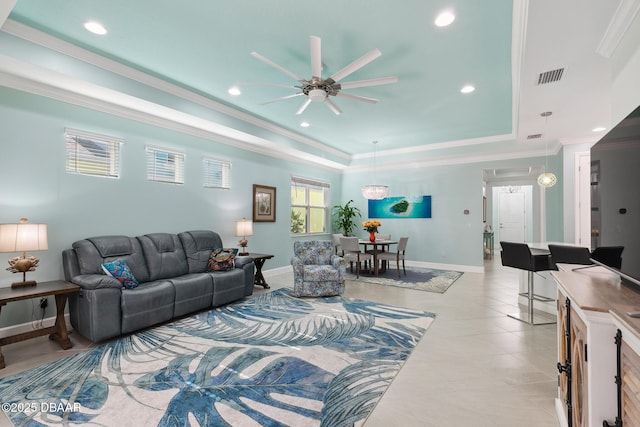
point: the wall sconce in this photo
(23, 237)
(244, 228)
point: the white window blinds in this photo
(165, 165)
(92, 154)
(217, 173)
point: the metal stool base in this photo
(528, 317)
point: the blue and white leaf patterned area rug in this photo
(269, 360)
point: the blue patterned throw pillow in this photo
(120, 270)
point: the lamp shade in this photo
(244, 227)
(23, 237)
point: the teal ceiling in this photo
(205, 46)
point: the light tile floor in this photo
(474, 367)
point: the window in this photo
(92, 154)
(165, 165)
(309, 206)
(217, 173)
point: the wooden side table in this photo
(58, 288)
(259, 260)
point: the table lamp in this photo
(23, 237)
(244, 228)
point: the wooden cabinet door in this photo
(630, 373)
(563, 353)
(579, 380)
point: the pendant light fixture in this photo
(546, 179)
(375, 191)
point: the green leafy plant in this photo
(297, 222)
(345, 217)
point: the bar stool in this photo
(518, 255)
(609, 255)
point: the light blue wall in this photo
(36, 186)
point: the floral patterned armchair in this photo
(317, 271)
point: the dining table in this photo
(378, 246)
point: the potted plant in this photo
(345, 217)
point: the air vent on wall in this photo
(534, 136)
(550, 76)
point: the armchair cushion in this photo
(320, 273)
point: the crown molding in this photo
(45, 40)
(456, 160)
(437, 146)
(40, 81)
(618, 26)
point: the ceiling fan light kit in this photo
(317, 95)
(317, 89)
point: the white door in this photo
(512, 213)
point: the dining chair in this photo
(351, 252)
(397, 256)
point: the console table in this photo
(58, 288)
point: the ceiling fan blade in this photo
(282, 98)
(316, 57)
(276, 66)
(269, 84)
(356, 65)
(304, 106)
(372, 82)
(357, 97)
(333, 107)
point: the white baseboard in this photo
(30, 326)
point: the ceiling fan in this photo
(317, 89)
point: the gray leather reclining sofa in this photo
(171, 269)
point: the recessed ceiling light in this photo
(234, 90)
(598, 129)
(467, 89)
(95, 28)
(305, 124)
(445, 18)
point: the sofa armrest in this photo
(96, 281)
(241, 261)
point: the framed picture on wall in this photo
(264, 203)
